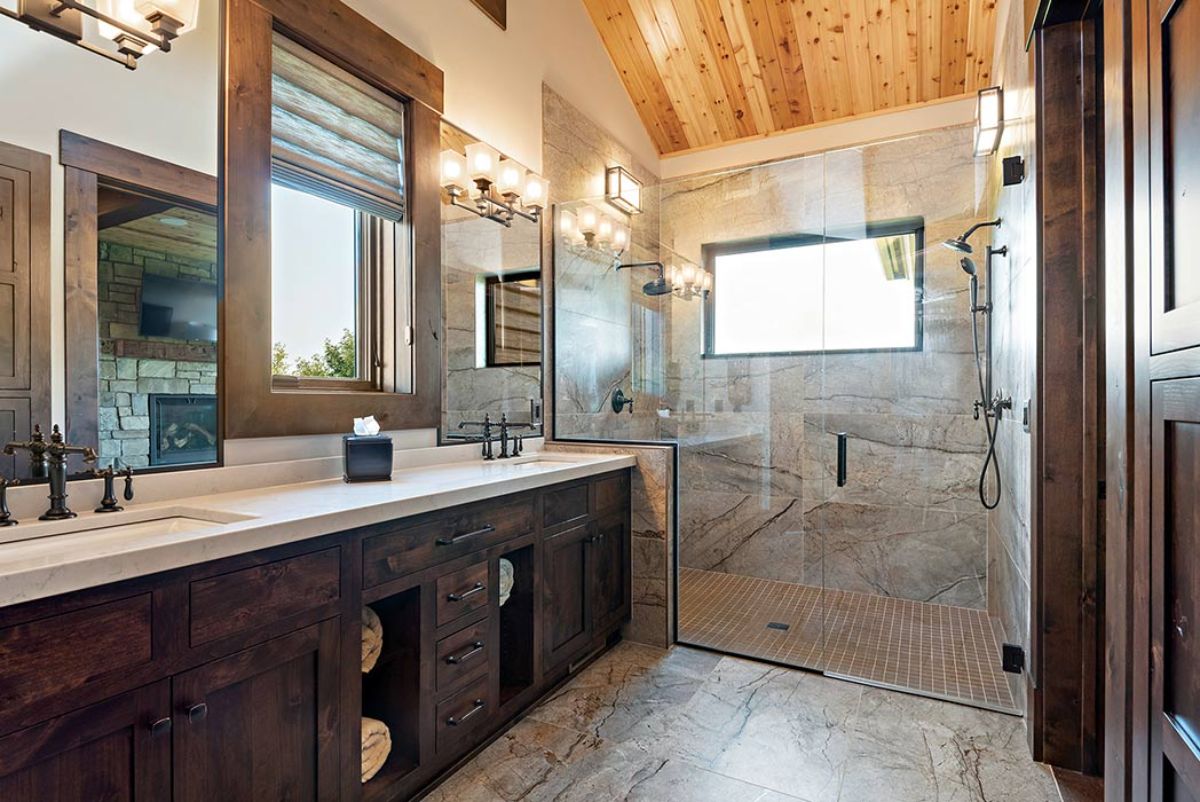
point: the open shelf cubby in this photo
(516, 628)
(391, 690)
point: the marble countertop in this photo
(94, 549)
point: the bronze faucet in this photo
(53, 456)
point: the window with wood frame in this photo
(513, 319)
(340, 272)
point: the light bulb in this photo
(454, 170)
(588, 219)
(568, 225)
(482, 160)
(604, 230)
(509, 177)
(536, 191)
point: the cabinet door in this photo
(262, 723)
(566, 594)
(610, 546)
(1175, 592)
(111, 750)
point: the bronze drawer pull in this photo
(476, 648)
(160, 727)
(197, 713)
(454, 722)
(487, 529)
(457, 597)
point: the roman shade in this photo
(334, 135)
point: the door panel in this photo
(260, 724)
(610, 602)
(566, 567)
(1175, 590)
(1175, 172)
(108, 751)
(24, 296)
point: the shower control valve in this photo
(998, 405)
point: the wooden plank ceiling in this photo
(708, 72)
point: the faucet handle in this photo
(128, 472)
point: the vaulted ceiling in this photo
(708, 72)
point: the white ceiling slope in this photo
(494, 77)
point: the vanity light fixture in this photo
(492, 187)
(689, 281)
(588, 230)
(136, 27)
(989, 121)
(622, 190)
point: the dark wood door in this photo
(1174, 173)
(611, 572)
(567, 591)
(110, 751)
(262, 723)
(1175, 592)
(24, 298)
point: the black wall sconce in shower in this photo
(1014, 170)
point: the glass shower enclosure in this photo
(820, 396)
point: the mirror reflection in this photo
(492, 305)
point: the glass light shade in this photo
(589, 218)
(510, 177)
(689, 274)
(622, 190)
(454, 170)
(125, 11)
(676, 277)
(706, 283)
(536, 191)
(989, 120)
(183, 13)
(604, 230)
(568, 225)
(620, 237)
(482, 161)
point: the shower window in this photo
(808, 293)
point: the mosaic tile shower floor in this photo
(949, 653)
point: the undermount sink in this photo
(175, 520)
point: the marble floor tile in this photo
(746, 732)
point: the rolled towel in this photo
(372, 638)
(376, 745)
(506, 580)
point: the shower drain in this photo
(779, 626)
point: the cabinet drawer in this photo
(53, 656)
(463, 654)
(463, 714)
(612, 493)
(462, 592)
(258, 596)
(393, 554)
(564, 505)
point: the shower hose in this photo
(991, 462)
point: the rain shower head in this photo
(962, 245)
(657, 287)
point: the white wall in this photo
(494, 77)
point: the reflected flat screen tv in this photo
(177, 308)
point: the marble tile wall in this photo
(758, 461)
(1015, 328)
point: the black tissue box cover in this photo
(367, 457)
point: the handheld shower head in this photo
(967, 265)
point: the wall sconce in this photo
(492, 187)
(586, 229)
(989, 120)
(622, 190)
(136, 27)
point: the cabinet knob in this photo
(197, 713)
(160, 727)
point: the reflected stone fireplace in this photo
(183, 429)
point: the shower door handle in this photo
(842, 440)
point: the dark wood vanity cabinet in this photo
(240, 680)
